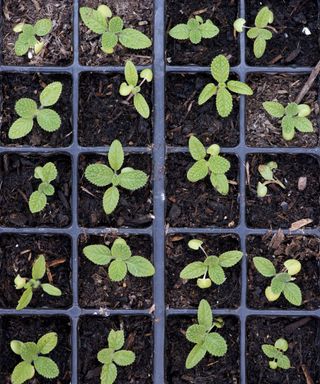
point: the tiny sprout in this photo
(212, 265)
(205, 340)
(33, 362)
(131, 88)
(276, 353)
(266, 171)
(281, 282)
(220, 70)
(101, 175)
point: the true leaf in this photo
(105, 355)
(108, 41)
(51, 93)
(93, 19)
(39, 268)
(303, 124)
(108, 374)
(16, 346)
(51, 289)
(265, 34)
(263, 18)
(130, 73)
(116, 155)
(230, 258)
(116, 339)
(264, 266)
(21, 46)
(208, 91)
(220, 69)
(20, 128)
(115, 24)
(216, 274)
(46, 367)
(99, 174)
(48, 119)
(24, 299)
(270, 351)
(124, 358)
(49, 172)
(141, 105)
(47, 343)
(196, 333)
(46, 188)
(98, 253)
(220, 183)
(216, 344)
(180, 32)
(239, 87)
(218, 164)
(196, 354)
(37, 201)
(274, 108)
(120, 250)
(195, 36)
(22, 372)
(29, 351)
(198, 171)
(26, 108)
(140, 267)
(196, 148)
(204, 314)
(131, 38)
(208, 30)
(224, 102)
(110, 200)
(193, 270)
(288, 124)
(117, 270)
(265, 172)
(259, 47)
(43, 27)
(293, 294)
(278, 282)
(283, 362)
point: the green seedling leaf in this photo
(108, 41)
(216, 274)
(216, 345)
(133, 39)
(51, 290)
(293, 294)
(239, 87)
(239, 24)
(180, 32)
(208, 30)
(195, 244)
(230, 258)
(293, 266)
(43, 27)
(196, 148)
(131, 73)
(124, 358)
(110, 199)
(26, 108)
(117, 270)
(193, 270)
(141, 105)
(220, 183)
(264, 266)
(20, 128)
(224, 102)
(140, 267)
(22, 372)
(198, 171)
(94, 20)
(37, 202)
(282, 345)
(51, 94)
(115, 24)
(105, 11)
(264, 17)
(47, 343)
(24, 299)
(279, 360)
(46, 367)
(108, 374)
(116, 339)
(196, 333)
(16, 346)
(302, 124)
(48, 119)
(39, 268)
(99, 174)
(218, 164)
(195, 355)
(220, 69)
(99, 254)
(274, 108)
(204, 314)
(259, 47)
(146, 74)
(207, 93)
(116, 155)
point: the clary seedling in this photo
(266, 171)
(195, 30)
(211, 266)
(282, 282)
(205, 341)
(220, 71)
(101, 175)
(33, 361)
(119, 260)
(260, 33)
(293, 116)
(28, 110)
(38, 199)
(112, 29)
(276, 353)
(132, 89)
(27, 37)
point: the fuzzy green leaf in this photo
(51, 94)
(270, 351)
(98, 253)
(195, 244)
(265, 171)
(37, 201)
(216, 344)
(196, 354)
(29, 351)
(195, 36)
(20, 128)
(48, 119)
(293, 294)
(220, 69)
(120, 249)
(49, 172)
(141, 105)
(124, 358)
(193, 270)
(108, 374)
(22, 372)
(116, 155)
(46, 188)
(110, 199)
(287, 125)
(108, 41)
(131, 38)
(220, 183)
(39, 268)
(117, 270)
(230, 258)
(24, 299)
(198, 171)
(26, 108)
(21, 46)
(133, 180)
(208, 91)
(303, 124)
(43, 27)
(265, 34)
(239, 87)
(281, 344)
(278, 282)
(116, 339)
(204, 314)
(180, 32)
(208, 30)
(140, 267)
(253, 33)
(224, 102)
(196, 148)
(105, 355)
(93, 19)
(47, 343)
(263, 18)
(274, 108)
(16, 346)
(51, 289)
(283, 362)
(218, 164)
(292, 109)
(259, 47)
(115, 24)
(131, 73)
(46, 367)
(105, 11)
(239, 24)
(264, 266)
(99, 174)
(216, 274)
(147, 74)
(196, 333)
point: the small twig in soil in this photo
(290, 328)
(313, 75)
(307, 374)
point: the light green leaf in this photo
(22, 372)
(133, 180)
(287, 125)
(253, 33)
(115, 24)
(196, 354)
(24, 299)
(93, 19)
(110, 199)
(195, 244)
(124, 358)
(220, 183)
(238, 24)
(274, 108)
(117, 270)
(264, 266)
(29, 351)
(196, 148)
(21, 46)
(98, 253)
(216, 274)
(43, 27)
(39, 268)
(16, 346)
(116, 339)
(216, 344)
(265, 34)
(48, 119)
(195, 36)
(180, 32)
(293, 294)
(46, 367)
(208, 91)
(108, 41)
(140, 267)
(204, 314)
(104, 10)
(224, 102)
(218, 164)
(51, 93)
(220, 69)
(105, 355)
(196, 333)
(46, 188)
(49, 172)
(47, 343)
(120, 249)
(146, 74)
(303, 124)
(278, 282)
(263, 18)
(270, 351)
(283, 362)
(259, 47)
(262, 190)
(193, 270)
(304, 110)
(26, 108)
(239, 87)
(292, 109)
(131, 73)
(208, 30)
(125, 89)
(282, 344)
(108, 374)
(99, 174)
(131, 38)
(141, 105)
(116, 155)
(20, 128)
(265, 171)
(51, 289)
(37, 201)
(198, 171)
(230, 258)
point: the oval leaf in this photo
(293, 294)
(220, 69)
(124, 358)
(196, 354)
(37, 201)
(264, 266)
(99, 174)
(46, 367)
(239, 87)
(22, 372)
(26, 108)
(133, 180)
(24, 299)
(116, 155)
(198, 171)
(140, 267)
(98, 253)
(208, 91)
(110, 200)
(51, 289)
(93, 19)
(141, 105)
(196, 148)
(48, 119)
(220, 183)
(131, 38)
(180, 32)
(193, 270)
(51, 93)
(117, 270)
(47, 343)
(216, 344)
(39, 268)
(230, 258)
(20, 128)
(224, 102)
(204, 314)
(43, 27)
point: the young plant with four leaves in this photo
(276, 353)
(220, 71)
(266, 171)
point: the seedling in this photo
(293, 116)
(276, 353)
(33, 361)
(101, 175)
(132, 89)
(195, 30)
(212, 265)
(217, 166)
(205, 341)
(281, 282)
(119, 260)
(266, 171)
(260, 33)
(112, 31)
(220, 71)
(48, 119)
(38, 199)
(27, 41)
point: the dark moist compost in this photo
(93, 335)
(104, 115)
(58, 43)
(134, 208)
(185, 293)
(27, 328)
(278, 249)
(17, 255)
(17, 184)
(221, 13)
(301, 333)
(264, 130)
(184, 117)
(199, 204)
(290, 44)
(96, 290)
(136, 14)
(283, 207)
(17, 86)
(224, 370)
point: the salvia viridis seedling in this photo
(212, 266)
(293, 116)
(29, 285)
(119, 260)
(195, 30)
(131, 89)
(276, 354)
(260, 33)
(38, 199)
(114, 356)
(220, 71)
(205, 341)
(101, 175)
(217, 166)
(27, 37)
(266, 171)
(112, 29)
(282, 282)
(33, 361)
(28, 110)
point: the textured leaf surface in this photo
(110, 199)
(196, 148)
(259, 47)
(208, 91)
(47, 343)
(99, 174)
(98, 253)
(216, 274)
(131, 73)
(48, 119)
(204, 314)
(39, 268)
(124, 358)
(116, 155)
(293, 294)
(224, 102)
(20, 128)
(51, 289)
(26, 108)
(180, 32)
(115, 24)
(37, 201)
(239, 87)
(116, 339)
(274, 108)
(133, 180)
(46, 367)
(220, 69)
(140, 267)
(131, 38)
(93, 19)
(141, 105)
(22, 372)
(208, 30)
(24, 299)
(220, 183)
(218, 164)
(43, 27)
(196, 333)
(216, 344)
(108, 374)
(196, 354)
(117, 270)
(198, 171)
(230, 258)
(264, 266)
(193, 270)
(51, 93)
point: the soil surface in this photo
(186, 293)
(18, 182)
(264, 130)
(134, 208)
(290, 45)
(58, 43)
(221, 13)
(96, 290)
(299, 332)
(278, 249)
(16, 86)
(17, 255)
(27, 328)
(104, 115)
(283, 207)
(185, 117)
(224, 370)
(136, 14)
(199, 204)
(93, 334)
